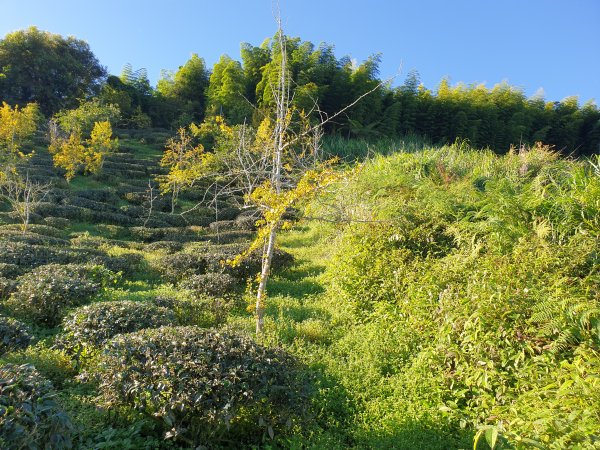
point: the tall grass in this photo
(461, 302)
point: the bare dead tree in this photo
(151, 197)
(23, 195)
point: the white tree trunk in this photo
(262, 286)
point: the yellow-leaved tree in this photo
(275, 167)
(75, 154)
(186, 163)
(16, 126)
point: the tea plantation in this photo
(442, 297)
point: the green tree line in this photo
(56, 72)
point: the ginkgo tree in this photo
(276, 167)
(16, 126)
(73, 153)
(186, 163)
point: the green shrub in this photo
(11, 218)
(44, 230)
(217, 255)
(29, 416)
(163, 233)
(167, 246)
(30, 256)
(200, 384)
(25, 256)
(45, 293)
(7, 287)
(92, 325)
(30, 238)
(200, 310)
(57, 222)
(181, 265)
(213, 284)
(245, 222)
(97, 195)
(13, 335)
(10, 271)
(223, 225)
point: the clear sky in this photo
(548, 44)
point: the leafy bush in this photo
(148, 234)
(91, 326)
(44, 230)
(227, 213)
(70, 212)
(223, 225)
(13, 335)
(12, 218)
(211, 258)
(472, 298)
(57, 222)
(181, 265)
(98, 195)
(7, 287)
(45, 293)
(10, 271)
(168, 246)
(245, 222)
(200, 310)
(29, 416)
(199, 383)
(31, 256)
(217, 255)
(213, 284)
(23, 255)
(30, 238)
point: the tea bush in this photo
(57, 222)
(201, 384)
(14, 335)
(167, 246)
(7, 287)
(92, 325)
(47, 292)
(179, 266)
(97, 195)
(200, 310)
(29, 416)
(30, 238)
(213, 284)
(44, 230)
(9, 271)
(217, 255)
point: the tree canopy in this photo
(57, 72)
(40, 67)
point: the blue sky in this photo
(532, 44)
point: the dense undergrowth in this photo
(449, 297)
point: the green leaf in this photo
(491, 437)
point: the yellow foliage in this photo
(73, 153)
(186, 162)
(16, 125)
(274, 205)
(263, 141)
(212, 126)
